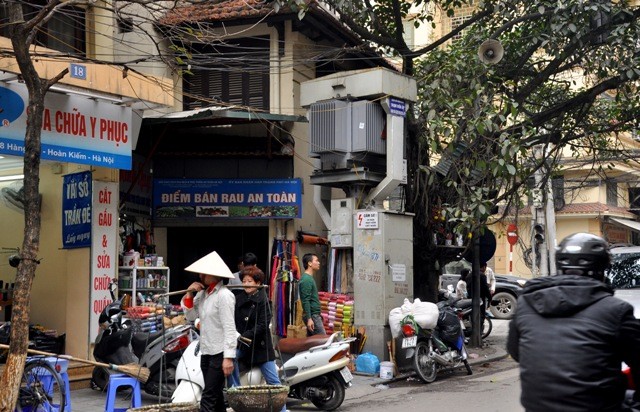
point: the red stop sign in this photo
(512, 234)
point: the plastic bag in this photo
(368, 363)
(407, 307)
(425, 314)
(395, 316)
(449, 326)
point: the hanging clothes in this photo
(285, 273)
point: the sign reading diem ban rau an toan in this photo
(227, 198)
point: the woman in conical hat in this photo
(214, 304)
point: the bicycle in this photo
(41, 388)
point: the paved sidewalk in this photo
(89, 400)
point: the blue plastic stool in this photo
(115, 381)
(60, 366)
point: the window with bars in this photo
(236, 73)
(612, 193)
(65, 32)
(457, 22)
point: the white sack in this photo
(425, 314)
(395, 317)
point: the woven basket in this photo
(257, 398)
(168, 407)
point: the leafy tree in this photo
(567, 84)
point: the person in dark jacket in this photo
(252, 316)
(570, 335)
(485, 293)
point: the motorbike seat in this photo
(295, 345)
(463, 303)
(140, 341)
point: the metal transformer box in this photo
(383, 271)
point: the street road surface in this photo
(493, 386)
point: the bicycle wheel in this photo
(41, 389)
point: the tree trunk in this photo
(16, 359)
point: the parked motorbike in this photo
(118, 344)
(314, 368)
(189, 379)
(464, 309)
(434, 349)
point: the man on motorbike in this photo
(570, 335)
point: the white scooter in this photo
(314, 368)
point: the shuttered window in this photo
(64, 32)
(235, 73)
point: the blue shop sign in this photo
(76, 210)
(227, 198)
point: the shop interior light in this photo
(11, 177)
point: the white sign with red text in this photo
(367, 220)
(104, 258)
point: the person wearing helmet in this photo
(570, 335)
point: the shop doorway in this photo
(185, 245)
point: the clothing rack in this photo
(283, 291)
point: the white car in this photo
(624, 275)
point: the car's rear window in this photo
(624, 272)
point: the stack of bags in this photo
(337, 312)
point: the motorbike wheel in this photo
(99, 378)
(487, 327)
(423, 364)
(162, 385)
(334, 395)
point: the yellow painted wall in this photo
(60, 293)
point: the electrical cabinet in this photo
(383, 271)
(142, 282)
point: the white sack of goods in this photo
(395, 317)
(425, 314)
(407, 307)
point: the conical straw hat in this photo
(212, 264)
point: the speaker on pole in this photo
(490, 51)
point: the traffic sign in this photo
(512, 234)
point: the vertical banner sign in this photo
(104, 260)
(76, 210)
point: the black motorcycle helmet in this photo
(113, 309)
(583, 254)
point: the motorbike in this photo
(190, 382)
(314, 368)
(117, 343)
(464, 309)
(442, 347)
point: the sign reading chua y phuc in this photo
(74, 129)
(227, 198)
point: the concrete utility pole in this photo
(552, 241)
(539, 242)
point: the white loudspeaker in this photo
(490, 51)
